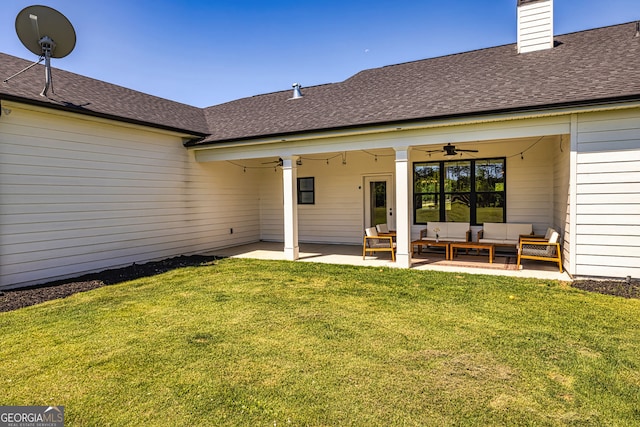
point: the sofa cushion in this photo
(457, 230)
(494, 230)
(504, 233)
(515, 230)
(436, 227)
(452, 231)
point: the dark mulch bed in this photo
(14, 299)
(629, 288)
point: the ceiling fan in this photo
(451, 150)
(275, 162)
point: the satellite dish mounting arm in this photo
(48, 45)
(24, 69)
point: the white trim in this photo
(95, 119)
(573, 197)
(285, 143)
(367, 180)
(403, 212)
(289, 184)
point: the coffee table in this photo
(454, 246)
(439, 244)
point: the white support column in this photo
(289, 181)
(573, 197)
(403, 212)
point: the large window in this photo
(460, 191)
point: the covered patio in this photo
(314, 203)
(504, 265)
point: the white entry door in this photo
(379, 202)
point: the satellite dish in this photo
(47, 33)
(34, 24)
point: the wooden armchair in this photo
(383, 230)
(541, 250)
(373, 242)
(538, 237)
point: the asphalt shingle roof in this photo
(587, 67)
(85, 95)
(595, 65)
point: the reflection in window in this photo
(306, 191)
(466, 191)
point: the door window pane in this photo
(378, 202)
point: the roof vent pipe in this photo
(296, 91)
(638, 29)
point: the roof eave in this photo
(400, 122)
(198, 134)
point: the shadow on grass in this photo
(24, 297)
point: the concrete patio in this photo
(504, 264)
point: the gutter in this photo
(544, 110)
(199, 135)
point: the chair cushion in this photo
(382, 228)
(371, 232)
(514, 231)
(548, 234)
(539, 250)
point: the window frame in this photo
(312, 191)
(442, 194)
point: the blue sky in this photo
(204, 53)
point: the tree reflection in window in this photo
(467, 191)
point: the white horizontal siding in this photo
(608, 194)
(80, 195)
(337, 215)
(271, 206)
(561, 196)
(606, 271)
(530, 183)
(535, 26)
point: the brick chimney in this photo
(535, 25)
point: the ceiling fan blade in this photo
(278, 162)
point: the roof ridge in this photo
(488, 48)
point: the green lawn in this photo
(259, 343)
